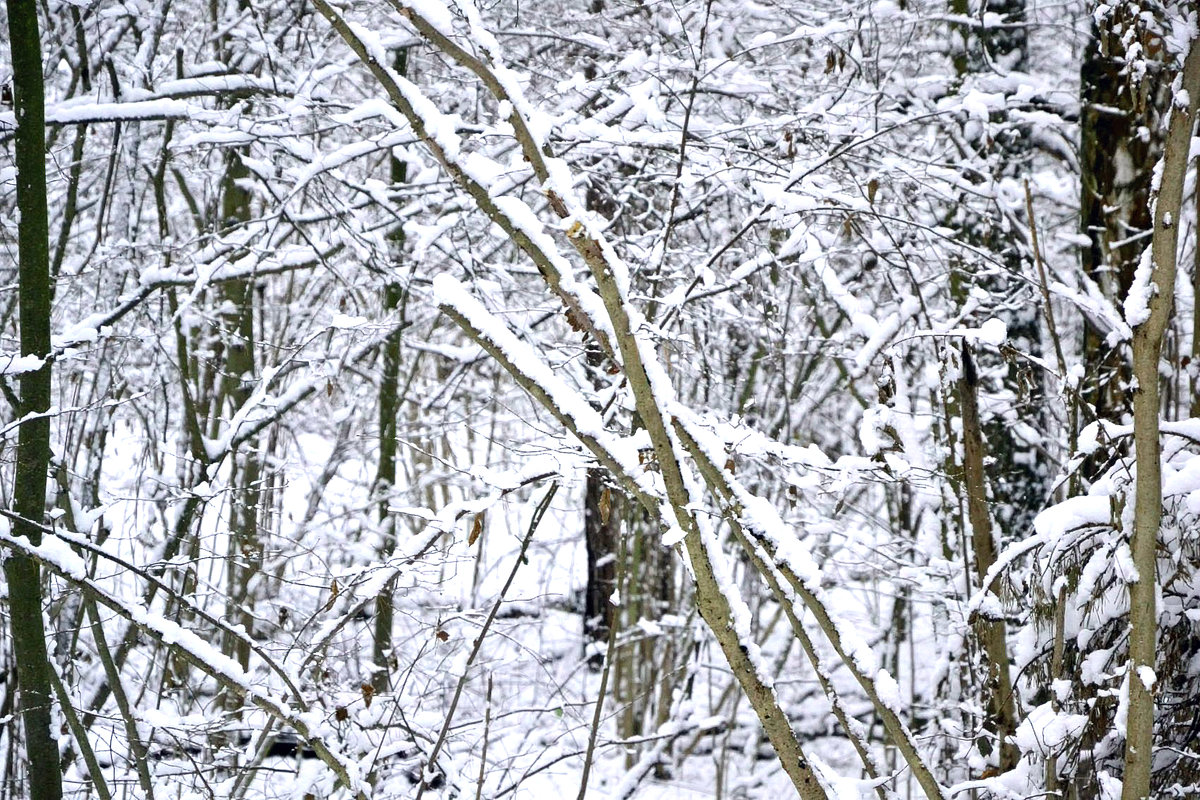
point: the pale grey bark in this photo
(1147, 349)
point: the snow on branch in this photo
(57, 555)
(475, 173)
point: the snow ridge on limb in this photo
(524, 363)
(64, 543)
(785, 594)
(515, 218)
(758, 526)
(653, 392)
(718, 600)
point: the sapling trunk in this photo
(1148, 333)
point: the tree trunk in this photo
(601, 528)
(33, 439)
(992, 633)
(1115, 177)
(245, 545)
(389, 407)
(1159, 287)
(1018, 477)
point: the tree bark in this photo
(245, 545)
(1147, 349)
(992, 633)
(601, 528)
(33, 439)
(389, 408)
(1115, 180)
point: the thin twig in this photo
(487, 729)
(673, 207)
(1041, 268)
(538, 513)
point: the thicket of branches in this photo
(417, 398)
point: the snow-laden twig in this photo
(56, 555)
(717, 598)
(477, 645)
(474, 173)
(758, 525)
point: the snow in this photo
(1137, 302)
(14, 364)
(435, 13)
(850, 206)
(1044, 730)
(75, 112)
(1072, 513)
(993, 332)
(872, 432)
(585, 421)
(888, 691)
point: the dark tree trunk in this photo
(1120, 142)
(601, 531)
(389, 407)
(33, 439)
